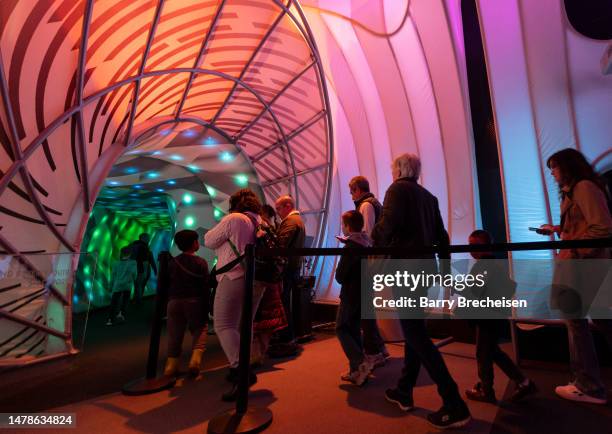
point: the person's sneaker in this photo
(359, 376)
(375, 360)
(109, 322)
(346, 377)
(446, 418)
(120, 318)
(478, 393)
(572, 393)
(523, 390)
(404, 401)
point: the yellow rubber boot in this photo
(195, 362)
(171, 368)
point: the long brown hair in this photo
(574, 168)
(244, 200)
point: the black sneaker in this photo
(523, 390)
(446, 418)
(478, 393)
(404, 401)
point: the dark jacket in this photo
(348, 270)
(188, 278)
(141, 253)
(371, 199)
(291, 234)
(411, 218)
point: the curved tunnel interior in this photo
(176, 176)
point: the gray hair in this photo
(409, 166)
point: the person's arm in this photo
(286, 233)
(218, 234)
(390, 220)
(592, 203)
(442, 238)
(343, 269)
(369, 216)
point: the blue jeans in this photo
(348, 330)
(583, 357)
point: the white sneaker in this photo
(109, 322)
(362, 373)
(120, 317)
(376, 360)
(572, 393)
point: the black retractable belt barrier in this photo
(243, 419)
(151, 383)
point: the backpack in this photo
(268, 268)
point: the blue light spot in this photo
(131, 170)
(75, 299)
(209, 141)
(158, 153)
(193, 167)
(137, 186)
(152, 175)
(114, 182)
(164, 132)
(188, 133)
(226, 156)
(176, 157)
(171, 182)
(160, 190)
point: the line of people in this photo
(410, 218)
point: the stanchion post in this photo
(151, 383)
(244, 419)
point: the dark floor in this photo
(110, 357)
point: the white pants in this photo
(227, 313)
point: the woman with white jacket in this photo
(229, 239)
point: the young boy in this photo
(122, 279)
(188, 298)
(489, 330)
(348, 322)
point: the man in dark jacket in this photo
(371, 210)
(411, 219)
(291, 234)
(145, 262)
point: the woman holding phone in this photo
(584, 215)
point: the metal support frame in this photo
(80, 84)
(248, 64)
(19, 163)
(145, 55)
(300, 173)
(196, 64)
(291, 135)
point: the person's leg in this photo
(125, 300)
(114, 307)
(486, 343)
(372, 340)
(195, 320)
(412, 365)
(416, 337)
(289, 281)
(139, 287)
(228, 309)
(583, 359)
(176, 327)
(348, 332)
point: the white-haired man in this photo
(411, 219)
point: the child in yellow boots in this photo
(188, 299)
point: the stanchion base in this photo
(146, 386)
(254, 420)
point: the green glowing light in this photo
(241, 180)
(217, 214)
(187, 198)
(211, 191)
(189, 221)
